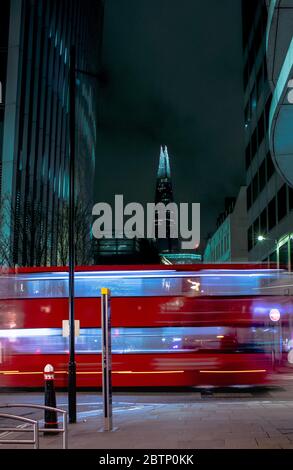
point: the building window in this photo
(254, 143)
(273, 259)
(291, 254)
(246, 74)
(258, 35)
(250, 238)
(253, 101)
(261, 129)
(270, 166)
(263, 222)
(247, 114)
(272, 213)
(283, 256)
(255, 187)
(262, 175)
(282, 202)
(249, 197)
(259, 83)
(247, 156)
(267, 111)
(255, 231)
(290, 199)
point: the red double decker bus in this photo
(171, 325)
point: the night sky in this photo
(173, 75)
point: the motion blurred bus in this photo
(172, 326)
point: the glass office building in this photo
(35, 123)
(4, 30)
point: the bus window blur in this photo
(221, 326)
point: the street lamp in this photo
(261, 238)
(71, 227)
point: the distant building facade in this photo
(229, 242)
(35, 143)
(181, 258)
(125, 251)
(269, 197)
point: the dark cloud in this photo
(173, 74)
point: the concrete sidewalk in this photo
(180, 421)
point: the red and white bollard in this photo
(51, 420)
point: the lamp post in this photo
(71, 227)
(71, 242)
(262, 238)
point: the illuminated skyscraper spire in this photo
(164, 191)
(164, 164)
(161, 169)
(167, 162)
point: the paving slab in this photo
(161, 420)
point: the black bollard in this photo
(51, 420)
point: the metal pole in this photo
(36, 435)
(106, 358)
(65, 432)
(72, 363)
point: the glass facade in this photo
(269, 210)
(4, 31)
(35, 164)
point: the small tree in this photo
(24, 242)
(32, 230)
(82, 235)
(6, 258)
